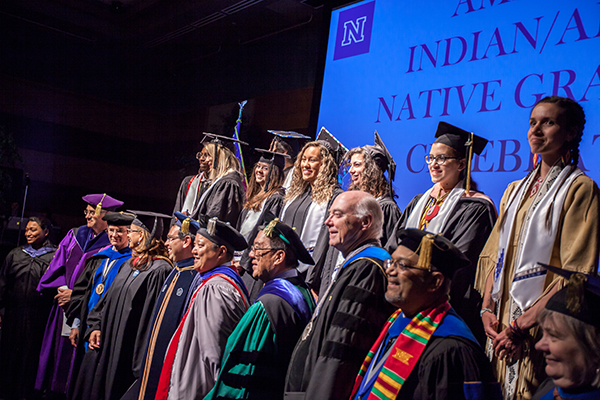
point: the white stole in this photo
(437, 224)
(535, 241)
(190, 196)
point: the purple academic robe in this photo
(69, 261)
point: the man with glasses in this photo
(68, 263)
(351, 311)
(259, 349)
(192, 186)
(193, 358)
(100, 271)
(425, 350)
(172, 303)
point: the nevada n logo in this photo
(354, 31)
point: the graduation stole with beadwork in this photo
(405, 354)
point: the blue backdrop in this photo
(400, 67)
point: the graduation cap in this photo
(382, 157)
(220, 233)
(274, 159)
(335, 147)
(277, 229)
(291, 138)
(580, 299)
(121, 218)
(433, 250)
(102, 201)
(458, 139)
(184, 222)
(219, 140)
(150, 221)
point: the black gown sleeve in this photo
(350, 323)
(392, 242)
(225, 200)
(451, 368)
(81, 289)
(391, 216)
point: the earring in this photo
(536, 160)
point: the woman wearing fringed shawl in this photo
(550, 216)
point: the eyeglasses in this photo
(401, 265)
(202, 156)
(133, 230)
(169, 238)
(89, 212)
(440, 160)
(266, 251)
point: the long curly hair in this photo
(323, 186)
(256, 194)
(373, 181)
(146, 251)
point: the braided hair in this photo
(575, 122)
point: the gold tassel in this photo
(185, 226)
(576, 292)
(99, 206)
(425, 251)
(268, 231)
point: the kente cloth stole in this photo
(405, 354)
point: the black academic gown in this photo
(183, 191)
(391, 215)
(324, 365)
(225, 199)
(171, 305)
(468, 228)
(322, 253)
(444, 366)
(123, 317)
(273, 205)
(24, 314)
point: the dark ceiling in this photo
(165, 55)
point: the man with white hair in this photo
(351, 311)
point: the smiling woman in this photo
(557, 199)
(25, 311)
(313, 189)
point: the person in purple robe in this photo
(69, 261)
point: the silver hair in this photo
(588, 339)
(368, 205)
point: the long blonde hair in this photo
(323, 186)
(226, 161)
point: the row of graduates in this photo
(451, 207)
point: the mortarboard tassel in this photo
(425, 251)
(271, 166)
(99, 206)
(185, 226)
(575, 292)
(268, 231)
(469, 145)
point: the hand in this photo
(63, 297)
(74, 336)
(490, 324)
(504, 345)
(95, 340)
